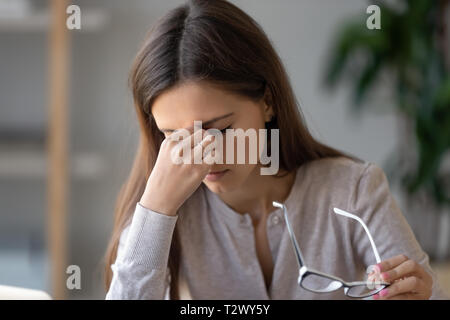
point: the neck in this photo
(255, 196)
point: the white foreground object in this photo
(16, 293)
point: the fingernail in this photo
(385, 275)
(378, 265)
(375, 296)
(383, 292)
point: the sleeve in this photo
(140, 271)
(374, 203)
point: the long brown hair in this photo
(217, 42)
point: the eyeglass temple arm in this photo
(291, 233)
(349, 215)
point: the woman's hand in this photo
(409, 280)
(170, 184)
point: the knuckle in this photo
(164, 142)
(414, 281)
(167, 142)
(403, 256)
(175, 156)
(410, 264)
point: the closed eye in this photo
(224, 130)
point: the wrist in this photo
(156, 206)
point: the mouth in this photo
(216, 175)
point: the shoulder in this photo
(348, 177)
(338, 168)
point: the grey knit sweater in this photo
(218, 256)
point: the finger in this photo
(392, 262)
(179, 135)
(208, 157)
(194, 139)
(209, 153)
(186, 144)
(410, 296)
(404, 269)
(197, 137)
(187, 138)
(197, 154)
(407, 285)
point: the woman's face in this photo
(179, 107)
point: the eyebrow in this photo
(203, 123)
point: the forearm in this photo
(140, 269)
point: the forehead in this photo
(180, 106)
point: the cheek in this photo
(240, 172)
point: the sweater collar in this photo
(234, 218)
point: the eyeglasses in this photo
(319, 282)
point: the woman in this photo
(212, 227)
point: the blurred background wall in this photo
(104, 131)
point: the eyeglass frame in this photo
(304, 271)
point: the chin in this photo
(222, 185)
(217, 187)
(230, 182)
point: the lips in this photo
(216, 175)
(216, 172)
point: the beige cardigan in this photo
(218, 257)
